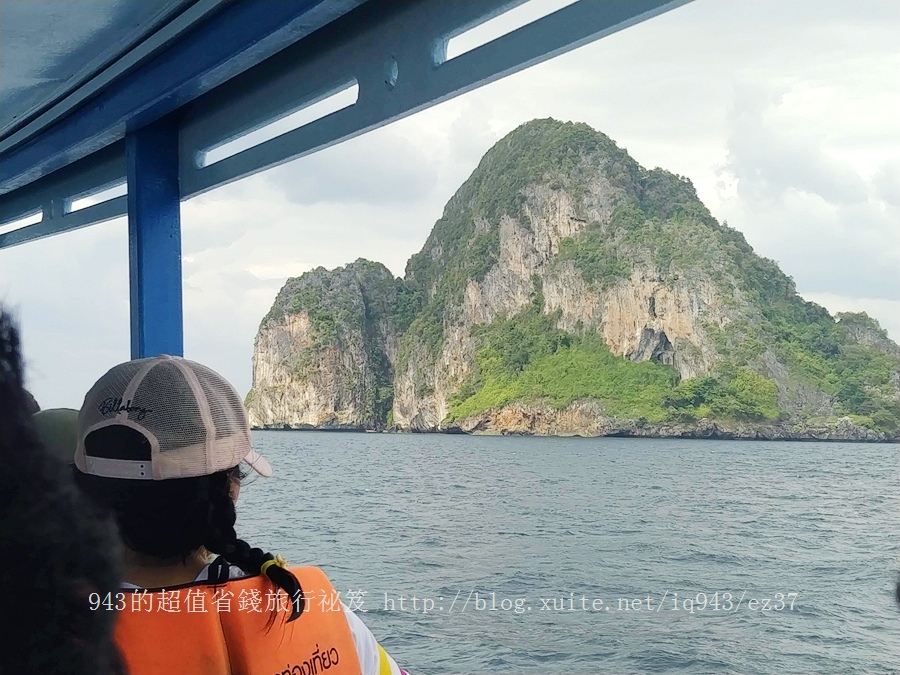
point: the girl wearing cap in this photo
(160, 442)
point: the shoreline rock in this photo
(521, 420)
(588, 419)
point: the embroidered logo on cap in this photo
(113, 405)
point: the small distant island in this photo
(566, 290)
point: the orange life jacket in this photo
(161, 632)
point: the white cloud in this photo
(887, 182)
(806, 205)
(767, 162)
(70, 294)
(342, 173)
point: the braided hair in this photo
(222, 539)
(170, 520)
(58, 550)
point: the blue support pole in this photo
(154, 241)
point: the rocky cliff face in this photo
(568, 290)
(865, 331)
(323, 354)
(642, 312)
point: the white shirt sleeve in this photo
(367, 648)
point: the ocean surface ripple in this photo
(538, 522)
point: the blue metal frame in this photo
(232, 40)
(168, 20)
(408, 36)
(154, 241)
(50, 194)
(237, 70)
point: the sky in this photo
(786, 117)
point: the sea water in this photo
(565, 555)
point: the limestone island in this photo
(566, 290)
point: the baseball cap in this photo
(188, 419)
(57, 429)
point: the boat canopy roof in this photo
(125, 107)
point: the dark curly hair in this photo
(57, 547)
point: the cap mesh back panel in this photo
(232, 429)
(165, 405)
(173, 417)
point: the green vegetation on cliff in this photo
(352, 308)
(331, 298)
(465, 243)
(526, 358)
(767, 354)
(740, 395)
(821, 352)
